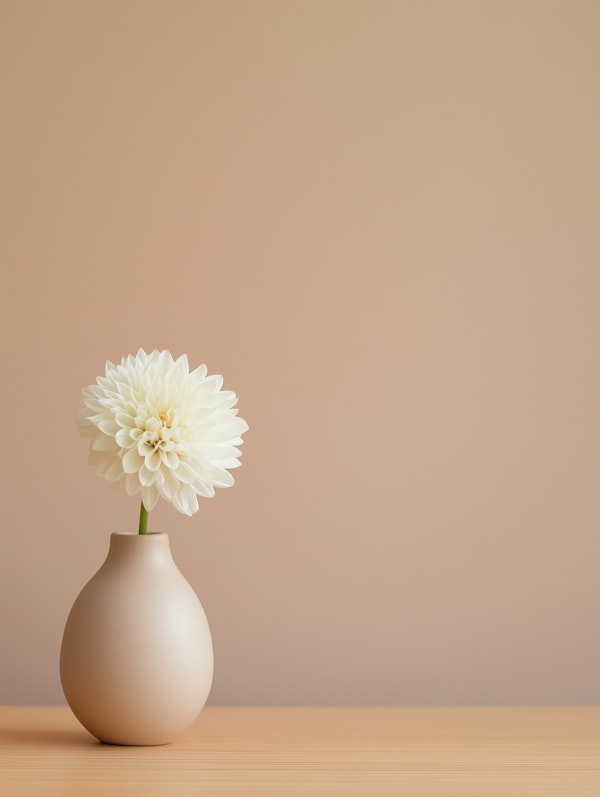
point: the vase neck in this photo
(139, 548)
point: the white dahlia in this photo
(165, 431)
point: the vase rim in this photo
(137, 534)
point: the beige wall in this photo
(379, 220)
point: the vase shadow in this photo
(34, 737)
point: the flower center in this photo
(165, 419)
(158, 429)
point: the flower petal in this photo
(132, 461)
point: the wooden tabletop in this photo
(322, 751)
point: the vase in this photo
(136, 661)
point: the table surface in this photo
(322, 751)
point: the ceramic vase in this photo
(136, 661)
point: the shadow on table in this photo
(35, 737)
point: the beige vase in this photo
(136, 661)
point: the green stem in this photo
(143, 519)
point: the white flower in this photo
(165, 431)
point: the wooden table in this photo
(321, 751)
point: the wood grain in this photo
(420, 752)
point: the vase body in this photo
(136, 662)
